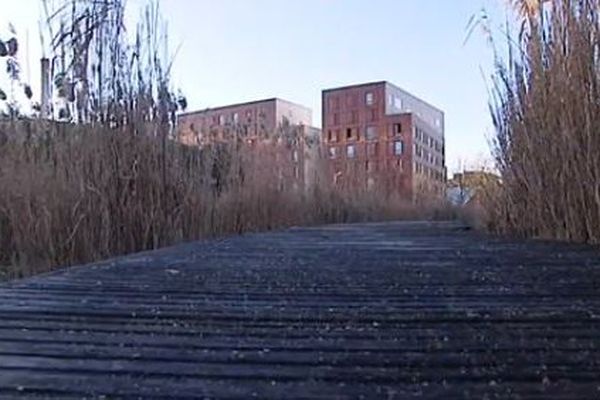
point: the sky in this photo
(232, 51)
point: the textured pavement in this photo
(383, 311)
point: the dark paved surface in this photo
(384, 311)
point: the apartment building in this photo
(378, 134)
(257, 123)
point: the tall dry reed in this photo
(75, 193)
(546, 111)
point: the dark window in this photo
(348, 133)
(398, 128)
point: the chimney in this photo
(46, 109)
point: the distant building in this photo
(467, 188)
(391, 137)
(256, 123)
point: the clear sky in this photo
(241, 50)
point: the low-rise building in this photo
(271, 121)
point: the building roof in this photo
(377, 83)
(247, 103)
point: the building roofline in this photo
(374, 83)
(247, 103)
(416, 97)
(292, 103)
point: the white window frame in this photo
(350, 151)
(398, 145)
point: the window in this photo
(418, 151)
(369, 166)
(398, 103)
(371, 133)
(295, 155)
(369, 98)
(399, 165)
(248, 115)
(353, 117)
(397, 128)
(332, 136)
(236, 118)
(336, 119)
(348, 133)
(398, 147)
(373, 117)
(350, 151)
(371, 149)
(221, 119)
(332, 152)
(417, 168)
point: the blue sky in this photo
(240, 50)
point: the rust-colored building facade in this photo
(379, 134)
(256, 123)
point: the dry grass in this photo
(109, 180)
(74, 193)
(547, 118)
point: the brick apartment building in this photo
(257, 123)
(380, 134)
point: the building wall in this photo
(250, 120)
(429, 160)
(361, 139)
(367, 128)
(256, 123)
(400, 101)
(295, 114)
